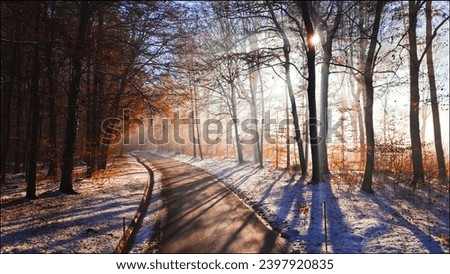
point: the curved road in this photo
(203, 216)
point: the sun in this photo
(315, 39)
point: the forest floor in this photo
(393, 220)
(90, 222)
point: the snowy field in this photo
(394, 220)
(90, 222)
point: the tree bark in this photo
(52, 168)
(442, 175)
(235, 123)
(261, 134)
(288, 131)
(368, 109)
(414, 127)
(254, 120)
(287, 65)
(73, 104)
(197, 125)
(97, 108)
(19, 151)
(325, 74)
(313, 132)
(35, 111)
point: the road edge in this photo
(128, 237)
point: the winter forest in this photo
(225, 127)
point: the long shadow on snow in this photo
(426, 240)
(340, 236)
(40, 230)
(292, 199)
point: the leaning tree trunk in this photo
(368, 109)
(416, 144)
(287, 65)
(73, 104)
(433, 97)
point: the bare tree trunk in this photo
(362, 56)
(6, 101)
(313, 132)
(197, 124)
(96, 108)
(254, 120)
(261, 134)
(287, 65)
(416, 144)
(235, 123)
(52, 168)
(288, 132)
(361, 89)
(73, 104)
(433, 97)
(89, 121)
(19, 151)
(368, 109)
(194, 147)
(35, 110)
(6, 125)
(325, 73)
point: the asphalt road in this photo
(203, 216)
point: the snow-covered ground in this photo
(90, 222)
(394, 220)
(148, 236)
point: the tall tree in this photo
(312, 121)
(287, 69)
(51, 82)
(66, 185)
(414, 66)
(368, 107)
(327, 36)
(35, 108)
(433, 96)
